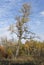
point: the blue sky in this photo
(9, 9)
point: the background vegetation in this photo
(31, 51)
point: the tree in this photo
(22, 30)
(21, 21)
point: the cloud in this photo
(3, 29)
(5, 33)
(42, 13)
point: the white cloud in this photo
(3, 29)
(42, 13)
(5, 33)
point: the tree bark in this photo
(17, 51)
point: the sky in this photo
(9, 9)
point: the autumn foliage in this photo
(32, 51)
(32, 47)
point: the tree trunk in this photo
(17, 51)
